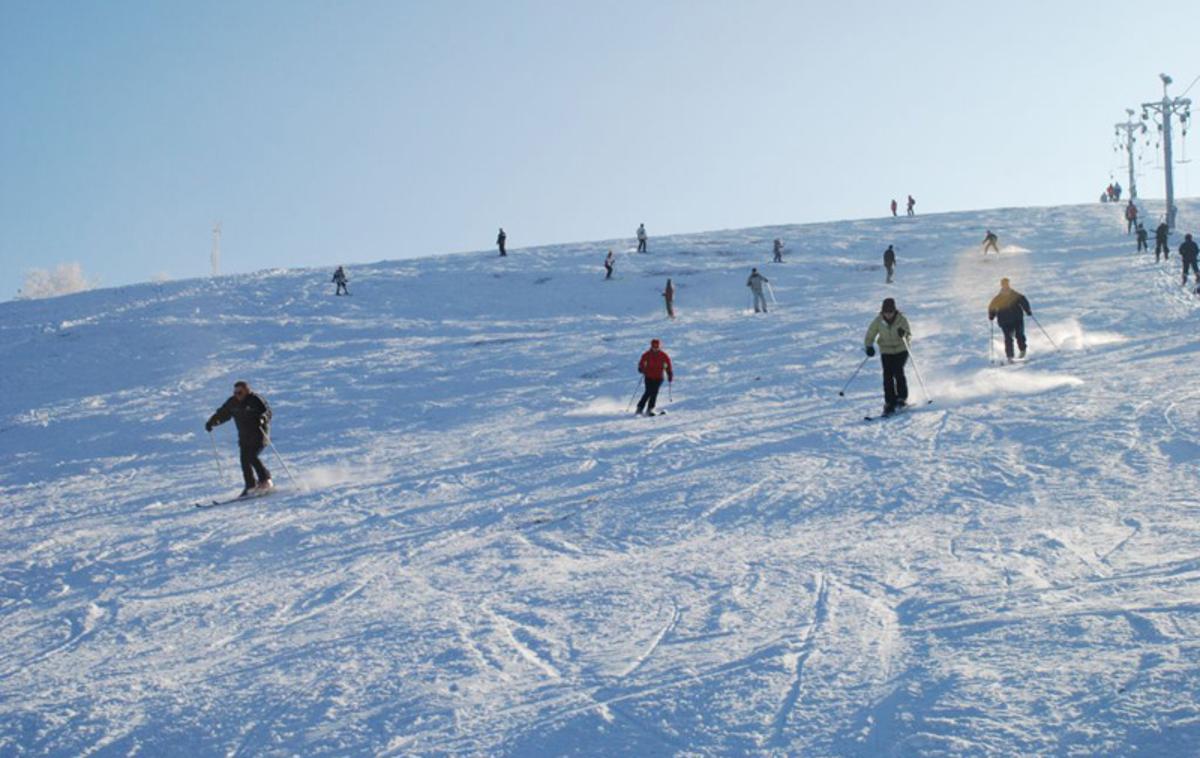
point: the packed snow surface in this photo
(483, 552)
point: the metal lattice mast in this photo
(216, 249)
(1164, 112)
(1129, 131)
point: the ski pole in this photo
(771, 292)
(279, 458)
(670, 396)
(842, 392)
(917, 370)
(216, 457)
(1039, 324)
(636, 387)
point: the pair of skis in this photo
(237, 499)
(899, 411)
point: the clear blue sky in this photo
(327, 132)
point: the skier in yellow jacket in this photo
(891, 331)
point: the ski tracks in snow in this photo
(637, 662)
(797, 660)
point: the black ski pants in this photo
(1160, 246)
(608, 270)
(1192, 265)
(891, 271)
(1011, 331)
(341, 288)
(641, 246)
(251, 465)
(1129, 224)
(650, 396)
(895, 384)
(1142, 245)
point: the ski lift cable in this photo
(1189, 87)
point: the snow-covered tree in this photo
(63, 279)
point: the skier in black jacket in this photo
(889, 262)
(339, 278)
(501, 239)
(1142, 237)
(252, 416)
(990, 240)
(1009, 309)
(1188, 251)
(1160, 241)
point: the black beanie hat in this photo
(888, 305)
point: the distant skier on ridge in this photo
(501, 238)
(609, 260)
(252, 416)
(889, 263)
(777, 249)
(894, 206)
(1188, 251)
(1009, 309)
(989, 241)
(890, 328)
(641, 238)
(339, 278)
(653, 364)
(912, 203)
(669, 298)
(755, 283)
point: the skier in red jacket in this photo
(652, 366)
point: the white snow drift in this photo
(492, 557)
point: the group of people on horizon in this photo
(910, 210)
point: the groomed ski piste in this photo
(485, 553)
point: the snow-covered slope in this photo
(494, 557)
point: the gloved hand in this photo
(208, 426)
(991, 317)
(870, 351)
(901, 332)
